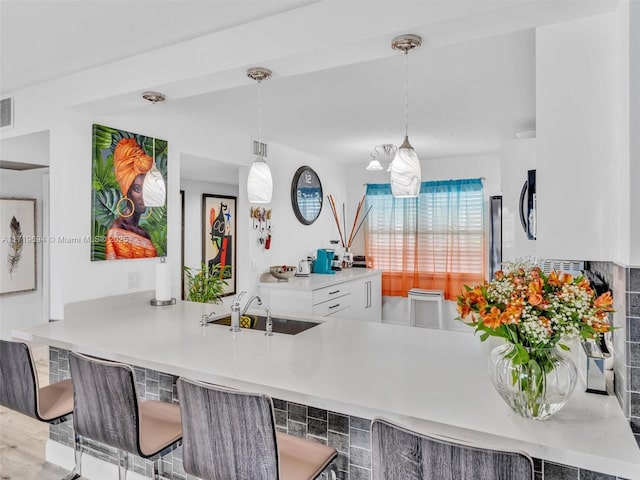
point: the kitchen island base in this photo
(350, 435)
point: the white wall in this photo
(577, 92)
(291, 240)
(632, 55)
(28, 308)
(71, 205)
(518, 156)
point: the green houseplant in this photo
(206, 286)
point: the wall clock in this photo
(306, 195)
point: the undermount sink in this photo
(258, 322)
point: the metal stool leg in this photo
(77, 469)
(123, 464)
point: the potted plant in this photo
(204, 285)
(535, 313)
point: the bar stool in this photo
(419, 295)
(107, 410)
(230, 434)
(20, 390)
(399, 454)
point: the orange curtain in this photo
(432, 242)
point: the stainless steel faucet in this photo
(236, 313)
(246, 307)
(269, 327)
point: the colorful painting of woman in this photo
(126, 238)
(129, 192)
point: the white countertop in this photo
(318, 280)
(429, 380)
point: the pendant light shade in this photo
(259, 181)
(154, 190)
(406, 174)
(374, 165)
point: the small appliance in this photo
(304, 268)
(322, 263)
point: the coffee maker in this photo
(322, 264)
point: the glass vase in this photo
(536, 388)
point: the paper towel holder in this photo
(162, 303)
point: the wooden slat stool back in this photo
(107, 410)
(20, 390)
(230, 434)
(400, 454)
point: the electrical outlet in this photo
(133, 280)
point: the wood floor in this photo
(22, 439)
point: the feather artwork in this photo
(15, 245)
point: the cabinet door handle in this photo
(369, 294)
(334, 292)
(334, 306)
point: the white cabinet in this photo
(366, 299)
(354, 294)
(331, 300)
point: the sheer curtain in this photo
(433, 241)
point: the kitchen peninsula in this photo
(340, 371)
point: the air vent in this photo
(6, 112)
(260, 148)
(574, 268)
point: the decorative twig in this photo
(362, 221)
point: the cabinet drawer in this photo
(330, 293)
(332, 306)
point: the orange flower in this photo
(535, 299)
(492, 319)
(553, 279)
(604, 300)
(499, 275)
(512, 315)
(566, 278)
(601, 326)
(463, 310)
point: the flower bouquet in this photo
(534, 313)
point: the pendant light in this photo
(405, 167)
(259, 182)
(154, 190)
(387, 149)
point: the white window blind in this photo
(440, 231)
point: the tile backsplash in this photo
(624, 283)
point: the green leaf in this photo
(103, 174)
(564, 347)
(98, 242)
(105, 206)
(204, 285)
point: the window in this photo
(433, 241)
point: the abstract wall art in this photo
(219, 237)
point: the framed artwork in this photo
(219, 236)
(129, 193)
(18, 247)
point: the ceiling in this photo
(337, 89)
